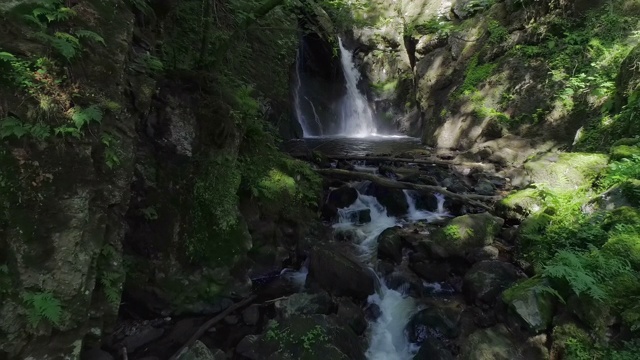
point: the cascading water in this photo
(387, 339)
(356, 118)
(307, 128)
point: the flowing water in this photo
(357, 135)
(356, 118)
(387, 338)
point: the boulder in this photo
(529, 306)
(303, 304)
(485, 187)
(494, 343)
(486, 280)
(624, 194)
(342, 197)
(251, 315)
(433, 322)
(566, 171)
(431, 271)
(519, 205)
(339, 273)
(624, 152)
(464, 234)
(484, 253)
(390, 244)
(433, 349)
(199, 351)
(358, 217)
(312, 337)
(394, 200)
(352, 315)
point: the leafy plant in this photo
(497, 33)
(84, 116)
(586, 273)
(12, 126)
(111, 156)
(42, 305)
(110, 274)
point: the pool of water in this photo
(363, 146)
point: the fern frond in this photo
(43, 305)
(82, 116)
(90, 35)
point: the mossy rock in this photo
(625, 215)
(529, 305)
(465, 233)
(494, 343)
(627, 141)
(566, 334)
(519, 205)
(624, 152)
(305, 337)
(625, 245)
(565, 171)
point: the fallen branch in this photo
(202, 329)
(471, 199)
(429, 161)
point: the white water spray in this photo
(356, 118)
(415, 214)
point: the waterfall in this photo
(356, 118)
(306, 131)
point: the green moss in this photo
(466, 232)
(568, 171)
(520, 204)
(624, 152)
(475, 75)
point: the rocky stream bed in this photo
(390, 273)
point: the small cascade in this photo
(356, 119)
(387, 338)
(414, 214)
(297, 277)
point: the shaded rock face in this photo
(334, 270)
(394, 200)
(390, 245)
(434, 322)
(531, 307)
(486, 280)
(494, 343)
(70, 205)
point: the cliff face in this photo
(111, 137)
(466, 73)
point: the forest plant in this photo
(42, 306)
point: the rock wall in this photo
(456, 73)
(105, 203)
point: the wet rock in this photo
(342, 197)
(432, 271)
(352, 315)
(433, 322)
(484, 253)
(142, 337)
(96, 354)
(494, 343)
(304, 304)
(339, 273)
(231, 319)
(344, 165)
(372, 312)
(485, 187)
(390, 244)
(199, 351)
(358, 217)
(393, 200)
(487, 279)
(464, 234)
(455, 185)
(433, 349)
(405, 281)
(621, 195)
(528, 306)
(251, 315)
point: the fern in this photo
(5, 56)
(42, 305)
(90, 35)
(85, 116)
(586, 273)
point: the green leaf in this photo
(82, 116)
(5, 56)
(87, 34)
